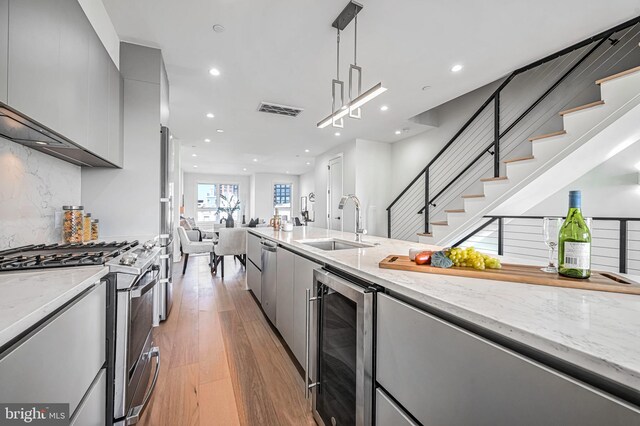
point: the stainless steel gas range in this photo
(137, 274)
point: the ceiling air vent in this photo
(279, 109)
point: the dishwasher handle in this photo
(268, 247)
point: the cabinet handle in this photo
(307, 339)
(134, 414)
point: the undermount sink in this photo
(334, 244)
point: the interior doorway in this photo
(334, 193)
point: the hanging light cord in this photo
(338, 57)
(355, 41)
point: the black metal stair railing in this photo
(482, 120)
(615, 240)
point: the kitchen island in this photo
(579, 331)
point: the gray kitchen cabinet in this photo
(389, 413)
(4, 48)
(98, 106)
(445, 375)
(93, 408)
(59, 361)
(73, 62)
(254, 280)
(302, 280)
(253, 249)
(284, 294)
(34, 60)
(116, 98)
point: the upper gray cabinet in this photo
(99, 62)
(60, 74)
(34, 60)
(116, 110)
(4, 47)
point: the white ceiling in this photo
(283, 51)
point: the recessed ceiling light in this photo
(306, 150)
(207, 140)
(426, 87)
(214, 72)
(456, 68)
(218, 28)
(220, 131)
(287, 171)
(195, 166)
(398, 132)
(170, 136)
(337, 133)
(308, 163)
(194, 155)
(210, 115)
(255, 160)
(384, 108)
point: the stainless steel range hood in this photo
(23, 130)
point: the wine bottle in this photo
(574, 241)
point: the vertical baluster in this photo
(426, 201)
(496, 135)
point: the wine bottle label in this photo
(577, 255)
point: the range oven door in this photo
(340, 354)
(134, 348)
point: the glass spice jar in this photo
(86, 227)
(95, 227)
(72, 231)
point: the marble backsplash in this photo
(33, 187)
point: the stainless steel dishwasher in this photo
(269, 279)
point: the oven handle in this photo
(134, 414)
(139, 291)
(307, 339)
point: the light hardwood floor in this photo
(222, 363)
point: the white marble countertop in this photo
(29, 296)
(595, 330)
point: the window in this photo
(282, 199)
(209, 200)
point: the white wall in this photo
(373, 184)
(34, 188)
(191, 181)
(610, 189)
(263, 194)
(409, 156)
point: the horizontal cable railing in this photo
(526, 103)
(615, 241)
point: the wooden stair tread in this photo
(514, 160)
(548, 135)
(425, 234)
(494, 179)
(620, 74)
(473, 196)
(580, 108)
(441, 223)
(455, 211)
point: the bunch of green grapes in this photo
(469, 257)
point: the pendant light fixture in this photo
(353, 108)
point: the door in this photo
(334, 193)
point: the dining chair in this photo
(231, 242)
(194, 247)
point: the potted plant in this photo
(228, 206)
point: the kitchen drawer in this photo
(254, 252)
(254, 280)
(92, 409)
(389, 413)
(444, 375)
(60, 360)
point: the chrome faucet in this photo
(356, 201)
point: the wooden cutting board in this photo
(599, 281)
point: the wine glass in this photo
(550, 230)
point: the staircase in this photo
(515, 152)
(592, 134)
